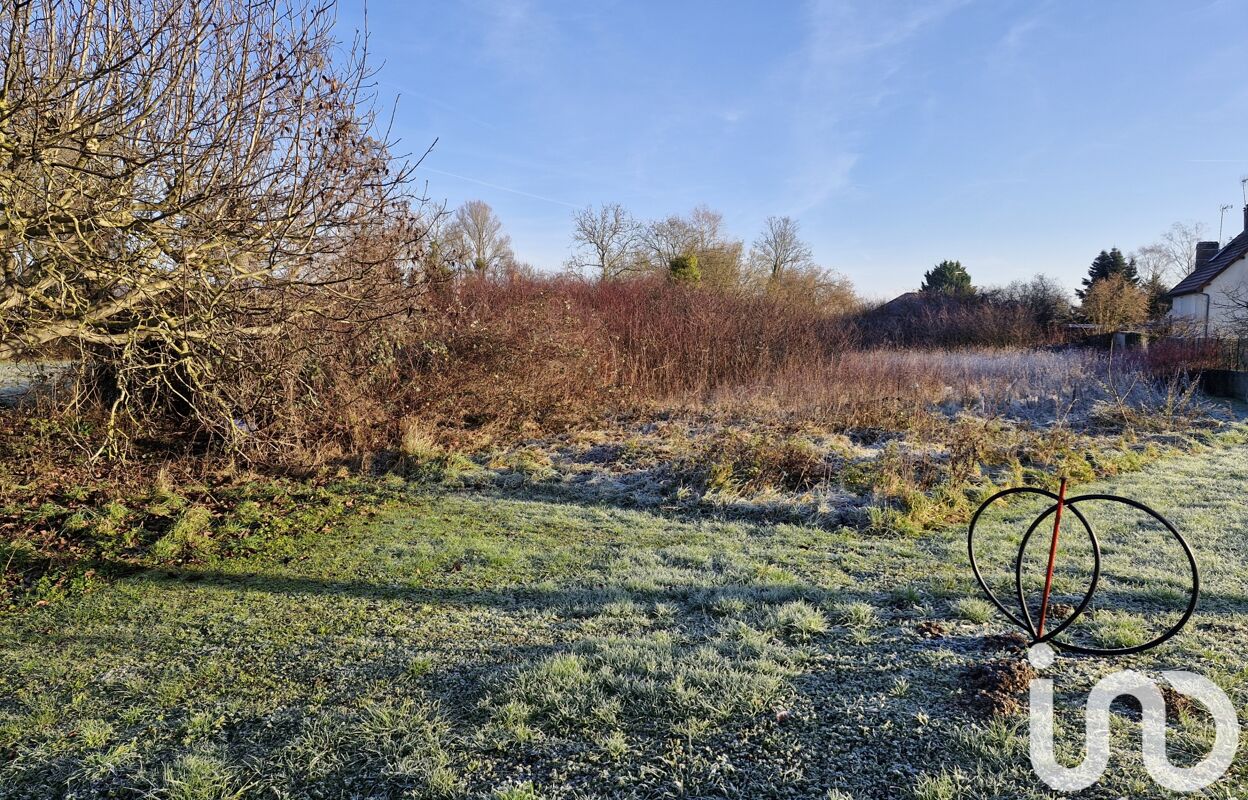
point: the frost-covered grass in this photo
(870, 387)
(931, 469)
(15, 377)
(467, 644)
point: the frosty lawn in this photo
(463, 645)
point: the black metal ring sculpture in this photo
(1026, 622)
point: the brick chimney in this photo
(1205, 251)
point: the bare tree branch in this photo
(605, 241)
(779, 248)
(183, 185)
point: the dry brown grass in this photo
(526, 355)
(491, 363)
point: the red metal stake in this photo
(1048, 578)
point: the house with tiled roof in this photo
(1213, 299)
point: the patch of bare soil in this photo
(1008, 642)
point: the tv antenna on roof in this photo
(1222, 219)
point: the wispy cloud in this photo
(457, 111)
(1011, 49)
(499, 187)
(849, 63)
(1016, 37)
(517, 34)
(842, 30)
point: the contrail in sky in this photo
(496, 186)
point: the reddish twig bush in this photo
(484, 358)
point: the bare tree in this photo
(605, 241)
(721, 264)
(441, 252)
(719, 257)
(666, 239)
(183, 186)
(705, 226)
(1045, 298)
(478, 234)
(700, 235)
(1172, 256)
(779, 248)
(1164, 262)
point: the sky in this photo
(1016, 137)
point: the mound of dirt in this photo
(999, 687)
(1177, 705)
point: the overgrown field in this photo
(882, 442)
(483, 644)
(723, 588)
(310, 490)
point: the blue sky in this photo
(1018, 137)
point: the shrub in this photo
(224, 346)
(939, 319)
(756, 463)
(684, 269)
(492, 360)
(1115, 302)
